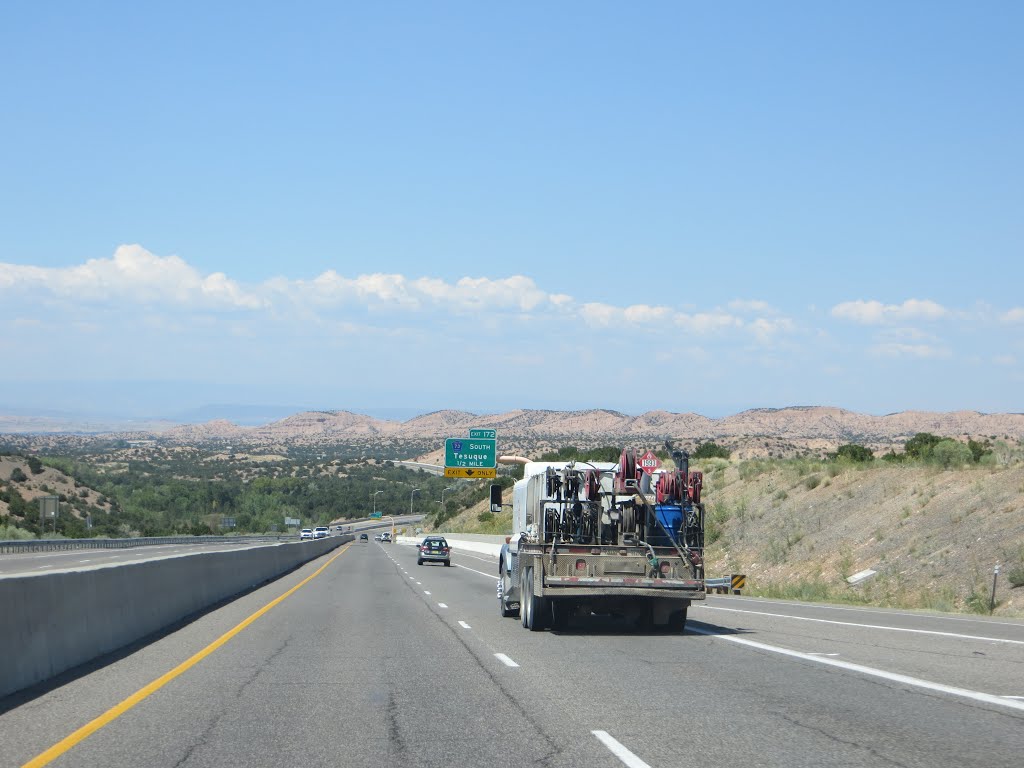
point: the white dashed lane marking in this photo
(505, 660)
(616, 748)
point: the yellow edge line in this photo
(117, 710)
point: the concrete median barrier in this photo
(54, 621)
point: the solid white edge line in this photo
(492, 576)
(895, 677)
(464, 625)
(508, 662)
(856, 609)
(866, 626)
(620, 751)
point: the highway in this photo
(371, 660)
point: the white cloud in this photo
(1004, 360)
(743, 305)
(134, 275)
(1015, 315)
(607, 316)
(919, 351)
(877, 313)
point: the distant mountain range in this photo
(761, 431)
(810, 426)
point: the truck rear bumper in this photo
(592, 586)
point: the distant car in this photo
(306, 533)
(320, 532)
(378, 537)
(363, 537)
(338, 528)
(385, 537)
(434, 549)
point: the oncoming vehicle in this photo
(306, 533)
(320, 532)
(364, 537)
(434, 549)
(385, 537)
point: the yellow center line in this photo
(117, 710)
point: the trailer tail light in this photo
(665, 568)
(581, 565)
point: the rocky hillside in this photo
(932, 535)
(17, 475)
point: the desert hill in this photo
(752, 433)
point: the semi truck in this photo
(604, 538)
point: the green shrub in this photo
(920, 445)
(812, 482)
(1016, 576)
(951, 453)
(854, 452)
(18, 476)
(710, 450)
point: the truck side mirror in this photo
(495, 498)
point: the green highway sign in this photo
(486, 434)
(470, 453)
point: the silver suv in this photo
(434, 549)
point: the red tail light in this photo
(665, 568)
(581, 565)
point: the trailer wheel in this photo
(534, 608)
(677, 621)
(525, 596)
(503, 589)
(560, 610)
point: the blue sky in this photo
(370, 206)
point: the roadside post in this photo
(995, 577)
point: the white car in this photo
(320, 532)
(306, 533)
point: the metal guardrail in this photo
(54, 545)
(726, 584)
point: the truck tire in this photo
(560, 611)
(537, 608)
(504, 585)
(525, 596)
(677, 621)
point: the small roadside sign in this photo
(469, 472)
(483, 434)
(649, 462)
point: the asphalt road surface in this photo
(375, 661)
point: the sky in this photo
(402, 206)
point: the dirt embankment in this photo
(801, 528)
